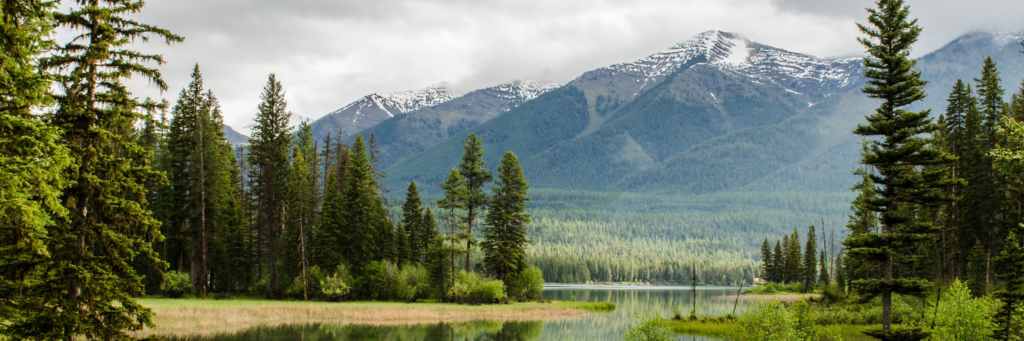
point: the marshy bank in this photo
(181, 318)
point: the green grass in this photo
(597, 307)
(721, 330)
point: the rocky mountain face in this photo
(375, 108)
(407, 134)
(712, 114)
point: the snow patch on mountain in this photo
(736, 54)
(405, 101)
(522, 90)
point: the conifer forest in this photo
(106, 197)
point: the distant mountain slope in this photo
(374, 108)
(407, 134)
(637, 115)
(235, 137)
(715, 113)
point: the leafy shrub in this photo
(335, 286)
(411, 283)
(963, 317)
(768, 321)
(646, 327)
(296, 288)
(474, 289)
(526, 285)
(371, 283)
(176, 284)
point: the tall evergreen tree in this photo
(109, 222)
(358, 210)
(766, 261)
(428, 227)
(794, 259)
(269, 147)
(959, 131)
(779, 263)
(477, 177)
(412, 219)
(454, 199)
(32, 160)
(505, 239)
(810, 261)
(897, 155)
(330, 239)
(992, 107)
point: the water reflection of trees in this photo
(477, 331)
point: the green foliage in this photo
(472, 288)
(505, 242)
(962, 317)
(412, 220)
(646, 327)
(335, 286)
(176, 284)
(412, 283)
(269, 147)
(477, 177)
(769, 321)
(528, 284)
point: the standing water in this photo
(711, 301)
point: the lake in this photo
(711, 301)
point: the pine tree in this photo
(361, 211)
(823, 275)
(992, 107)
(794, 259)
(412, 219)
(428, 227)
(896, 154)
(401, 245)
(109, 222)
(766, 261)
(32, 160)
(810, 262)
(505, 239)
(269, 147)
(779, 263)
(454, 199)
(959, 131)
(1011, 264)
(330, 237)
(477, 177)
(978, 271)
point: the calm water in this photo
(711, 301)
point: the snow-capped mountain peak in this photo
(734, 53)
(523, 90)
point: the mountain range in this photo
(715, 113)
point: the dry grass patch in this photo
(194, 317)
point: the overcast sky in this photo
(328, 53)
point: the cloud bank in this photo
(328, 53)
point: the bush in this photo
(768, 321)
(372, 284)
(474, 289)
(411, 283)
(176, 284)
(526, 285)
(335, 286)
(646, 327)
(963, 317)
(296, 288)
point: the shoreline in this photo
(207, 317)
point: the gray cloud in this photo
(328, 53)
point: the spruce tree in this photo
(361, 211)
(977, 271)
(897, 154)
(810, 261)
(823, 275)
(32, 160)
(454, 199)
(766, 261)
(778, 263)
(412, 219)
(477, 177)
(428, 227)
(269, 147)
(1011, 266)
(505, 239)
(992, 107)
(109, 222)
